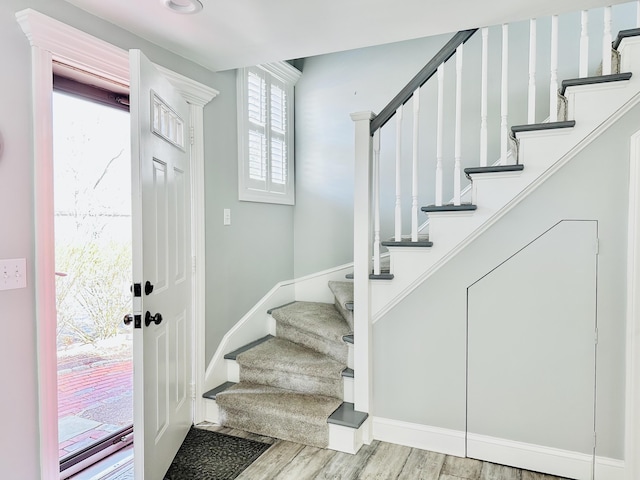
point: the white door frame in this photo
(52, 41)
(632, 414)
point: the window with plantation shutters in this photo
(265, 133)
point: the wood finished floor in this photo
(379, 461)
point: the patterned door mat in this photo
(207, 455)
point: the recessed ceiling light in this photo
(183, 6)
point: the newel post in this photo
(362, 260)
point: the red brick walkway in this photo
(98, 392)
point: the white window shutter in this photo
(265, 132)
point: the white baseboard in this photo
(441, 440)
(609, 469)
(554, 461)
(538, 458)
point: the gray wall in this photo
(420, 351)
(333, 86)
(271, 227)
(246, 259)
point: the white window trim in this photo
(289, 75)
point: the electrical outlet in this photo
(13, 273)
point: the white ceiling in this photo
(233, 33)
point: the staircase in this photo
(298, 384)
(308, 378)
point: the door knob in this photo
(149, 319)
(128, 318)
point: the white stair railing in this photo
(584, 44)
(398, 210)
(504, 96)
(501, 97)
(553, 82)
(531, 107)
(606, 42)
(458, 129)
(414, 166)
(483, 98)
(439, 134)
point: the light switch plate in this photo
(227, 216)
(13, 273)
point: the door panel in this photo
(531, 351)
(158, 226)
(162, 242)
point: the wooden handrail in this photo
(425, 74)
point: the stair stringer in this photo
(542, 152)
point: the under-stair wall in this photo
(420, 345)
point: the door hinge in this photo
(597, 246)
(193, 391)
(595, 440)
(596, 336)
(193, 264)
(191, 135)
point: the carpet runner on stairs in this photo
(292, 383)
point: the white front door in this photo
(161, 257)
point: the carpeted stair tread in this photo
(343, 292)
(276, 412)
(320, 319)
(284, 364)
(289, 357)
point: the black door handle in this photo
(149, 319)
(128, 318)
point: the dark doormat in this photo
(207, 455)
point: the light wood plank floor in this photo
(378, 461)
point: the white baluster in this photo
(376, 202)
(532, 71)
(584, 44)
(483, 99)
(398, 212)
(458, 133)
(553, 83)
(504, 94)
(439, 135)
(414, 170)
(606, 42)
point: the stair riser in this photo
(629, 54)
(345, 439)
(341, 439)
(502, 179)
(293, 381)
(276, 426)
(337, 351)
(347, 314)
(588, 103)
(233, 375)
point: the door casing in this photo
(53, 41)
